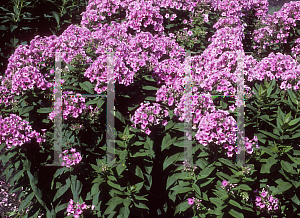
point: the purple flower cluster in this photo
(73, 105)
(23, 70)
(276, 28)
(265, 200)
(70, 159)
(15, 131)
(77, 209)
(230, 187)
(279, 66)
(193, 200)
(147, 115)
(296, 48)
(138, 13)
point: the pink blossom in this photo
(190, 201)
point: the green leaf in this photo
(138, 172)
(87, 86)
(116, 186)
(206, 172)
(120, 169)
(217, 201)
(167, 141)
(234, 203)
(244, 187)
(56, 16)
(45, 110)
(61, 207)
(120, 117)
(178, 189)
(150, 98)
(281, 188)
(25, 110)
(267, 166)
(26, 201)
(234, 213)
(123, 154)
(171, 179)
(269, 134)
(170, 160)
(127, 202)
(184, 206)
(294, 121)
(196, 188)
(287, 167)
(36, 190)
(76, 187)
(62, 190)
(149, 88)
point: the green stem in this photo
(19, 11)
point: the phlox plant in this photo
(149, 40)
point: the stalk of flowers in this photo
(196, 203)
(70, 159)
(275, 28)
(228, 186)
(15, 131)
(77, 209)
(265, 200)
(187, 167)
(147, 115)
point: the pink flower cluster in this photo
(266, 200)
(70, 159)
(296, 48)
(77, 209)
(193, 200)
(23, 70)
(73, 105)
(15, 131)
(147, 115)
(279, 66)
(231, 186)
(276, 27)
(138, 13)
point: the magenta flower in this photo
(263, 194)
(258, 199)
(190, 201)
(224, 183)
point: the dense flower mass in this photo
(147, 115)
(77, 209)
(15, 131)
(277, 27)
(71, 159)
(267, 201)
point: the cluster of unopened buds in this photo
(188, 167)
(77, 208)
(195, 202)
(76, 127)
(245, 196)
(226, 183)
(104, 167)
(71, 159)
(245, 170)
